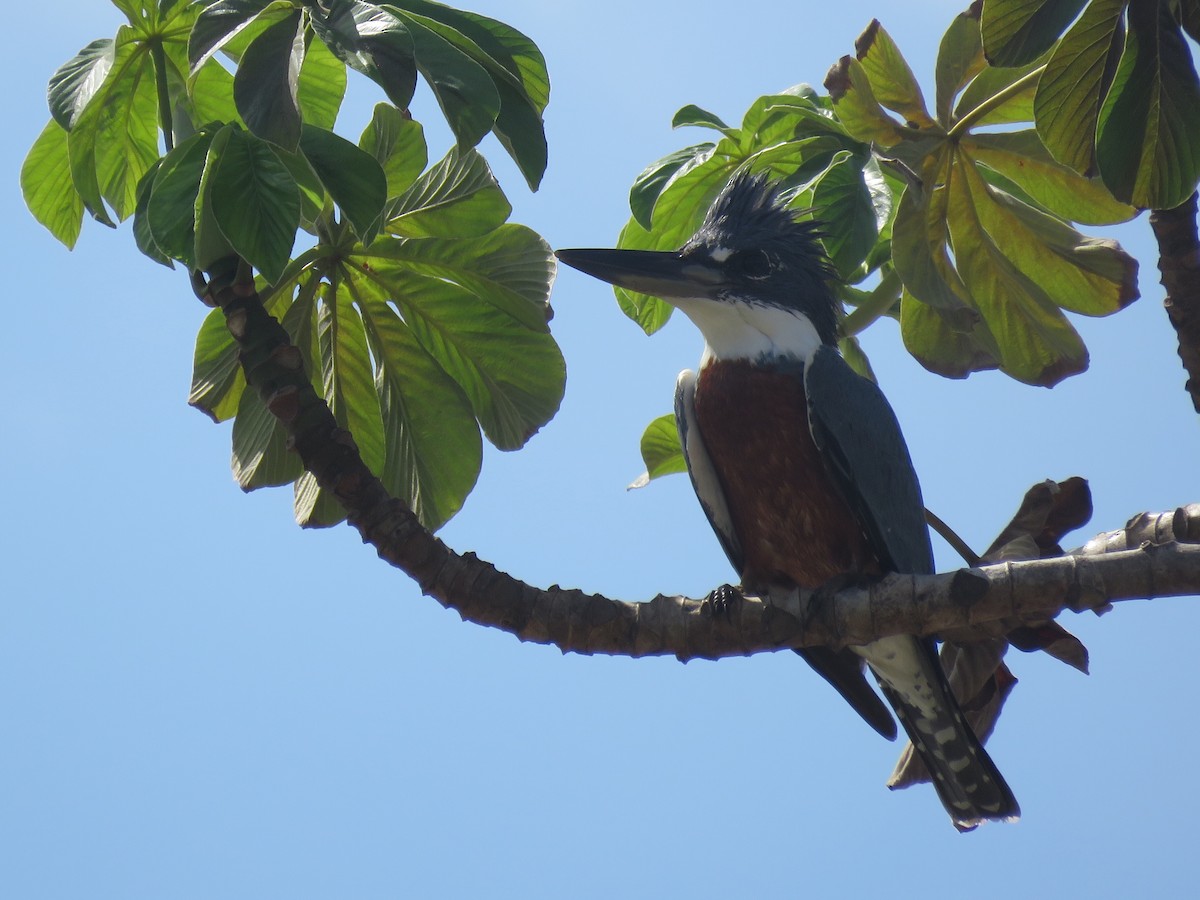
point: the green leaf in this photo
(504, 51)
(218, 23)
(321, 86)
(352, 177)
(312, 191)
(959, 59)
(211, 245)
(397, 142)
(513, 376)
(919, 253)
(992, 81)
(171, 209)
(1016, 32)
(458, 197)
(256, 203)
(518, 72)
(940, 348)
(892, 80)
(856, 105)
(349, 383)
(840, 195)
(212, 95)
(97, 169)
(1148, 133)
(522, 133)
(650, 183)
(78, 80)
(463, 88)
(141, 228)
(661, 451)
(260, 449)
(510, 268)
(1036, 342)
(692, 116)
(217, 378)
(1021, 157)
(433, 447)
(1077, 77)
(856, 357)
(1085, 275)
(371, 41)
(47, 187)
(264, 86)
(126, 134)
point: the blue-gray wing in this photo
(858, 435)
(705, 481)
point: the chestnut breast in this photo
(791, 520)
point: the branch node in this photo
(284, 405)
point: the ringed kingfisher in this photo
(799, 462)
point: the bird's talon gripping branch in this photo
(724, 602)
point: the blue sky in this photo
(198, 699)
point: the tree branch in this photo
(968, 603)
(1179, 263)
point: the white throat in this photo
(736, 330)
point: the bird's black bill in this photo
(660, 274)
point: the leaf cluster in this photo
(420, 312)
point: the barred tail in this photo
(968, 783)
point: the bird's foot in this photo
(725, 601)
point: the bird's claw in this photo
(724, 601)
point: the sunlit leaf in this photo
(256, 203)
(220, 22)
(959, 59)
(320, 86)
(1016, 32)
(458, 197)
(894, 84)
(47, 187)
(650, 183)
(371, 41)
(425, 414)
(857, 107)
(510, 268)
(661, 451)
(171, 209)
(1077, 77)
(397, 142)
(264, 86)
(77, 81)
(1021, 157)
(352, 177)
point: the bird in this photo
(799, 462)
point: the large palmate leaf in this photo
(422, 341)
(106, 99)
(1119, 94)
(417, 344)
(982, 234)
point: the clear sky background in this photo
(200, 700)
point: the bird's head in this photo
(751, 265)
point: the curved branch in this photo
(1179, 263)
(965, 602)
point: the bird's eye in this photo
(756, 264)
